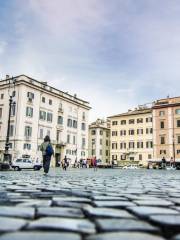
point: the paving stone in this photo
(169, 220)
(71, 199)
(108, 198)
(40, 236)
(124, 236)
(146, 211)
(160, 202)
(117, 204)
(8, 224)
(64, 224)
(35, 203)
(107, 212)
(60, 212)
(21, 212)
(112, 225)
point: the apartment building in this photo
(166, 125)
(132, 137)
(40, 110)
(99, 140)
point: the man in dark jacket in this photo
(47, 151)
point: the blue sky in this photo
(115, 54)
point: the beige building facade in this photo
(132, 137)
(41, 110)
(166, 126)
(99, 140)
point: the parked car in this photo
(24, 163)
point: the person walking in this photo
(95, 163)
(163, 163)
(65, 163)
(47, 152)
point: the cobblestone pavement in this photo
(83, 204)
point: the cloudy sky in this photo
(115, 54)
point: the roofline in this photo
(165, 105)
(21, 75)
(130, 114)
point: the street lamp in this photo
(93, 142)
(6, 163)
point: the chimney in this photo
(75, 95)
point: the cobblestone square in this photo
(84, 204)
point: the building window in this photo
(131, 158)
(114, 123)
(83, 126)
(114, 145)
(131, 121)
(43, 99)
(140, 131)
(114, 133)
(162, 139)
(29, 112)
(58, 135)
(74, 124)
(100, 152)
(100, 141)
(107, 143)
(93, 132)
(123, 122)
(107, 133)
(42, 115)
(2, 95)
(123, 132)
(101, 132)
(177, 111)
(178, 151)
(149, 119)
(11, 131)
(140, 120)
(83, 116)
(74, 140)
(139, 144)
(69, 122)
(0, 112)
(68, 138)
(41, 133)
(123, 157)
(107, 153)
(13, 110)
(83, 142)
(122, 145)
(27, 146)
(30, 96)
(149, 156)
(10, 145)
(178, 139)
(49, 117)
(28, 131)
(114, 157)
(131, 144)
(162, 151)
(178, 123)
(149, 144)
(161, 113)
(60, 120)
(131, 132)
(50, 101)
(162, 124)
(140, 157)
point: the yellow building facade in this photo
(132, 137)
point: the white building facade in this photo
(41, 110)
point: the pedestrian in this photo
(163, 163)
(47, 152)
(94, 163)
(172, 162)
(65, 163)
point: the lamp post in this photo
(93, 142)
(6, 161)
